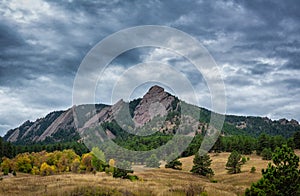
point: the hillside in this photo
(156, 111)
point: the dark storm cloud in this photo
(9, 38)
(42, 43)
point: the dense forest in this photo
(241, 143)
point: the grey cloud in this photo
(46, 49)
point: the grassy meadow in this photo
(158, 181)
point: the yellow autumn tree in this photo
(46, 169)
(75, 165)
(23, 163)
(86, 162)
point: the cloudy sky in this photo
(256, 45)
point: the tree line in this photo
(10, 150)
(263, 145)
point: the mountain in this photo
(156, 111)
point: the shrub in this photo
(35, 170)
(133, 177)
(253, 169)
(5, 171)
(121, 173)
(244, 160)
(214, 181)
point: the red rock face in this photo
(155, 102)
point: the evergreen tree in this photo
(297, 139)
(263, 142)
(248, 145)
(202, 165)
(122, 169)
(234, 163)
(217, 148)
(175, 164)
(282, 178)
(266, 154)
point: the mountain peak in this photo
(156, 89)
(155, 102)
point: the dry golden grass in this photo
(152, 182)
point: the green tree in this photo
(217, 148)
(98, 159)
(263, 142)
(280, 178)
(202, 165)
(266, 154)
(175, 164)
(297, 139)
(234, 163)
(122, 170)
(152, 161)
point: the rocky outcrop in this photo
(155, 102)
(284, 121)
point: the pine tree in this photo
(217, 148)
(234, 163)
(297, 139)
(282, 178)
(263, 142)
(202, 165)
(175, 164)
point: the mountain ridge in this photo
(68, 124)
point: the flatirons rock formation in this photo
(79, 118)
(138, 114)
(155, 102)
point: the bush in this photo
(35, 170)
(5, 171)
(253, 169)
(214, 181)
(133, 177)
(244, 160)
(121, 173)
